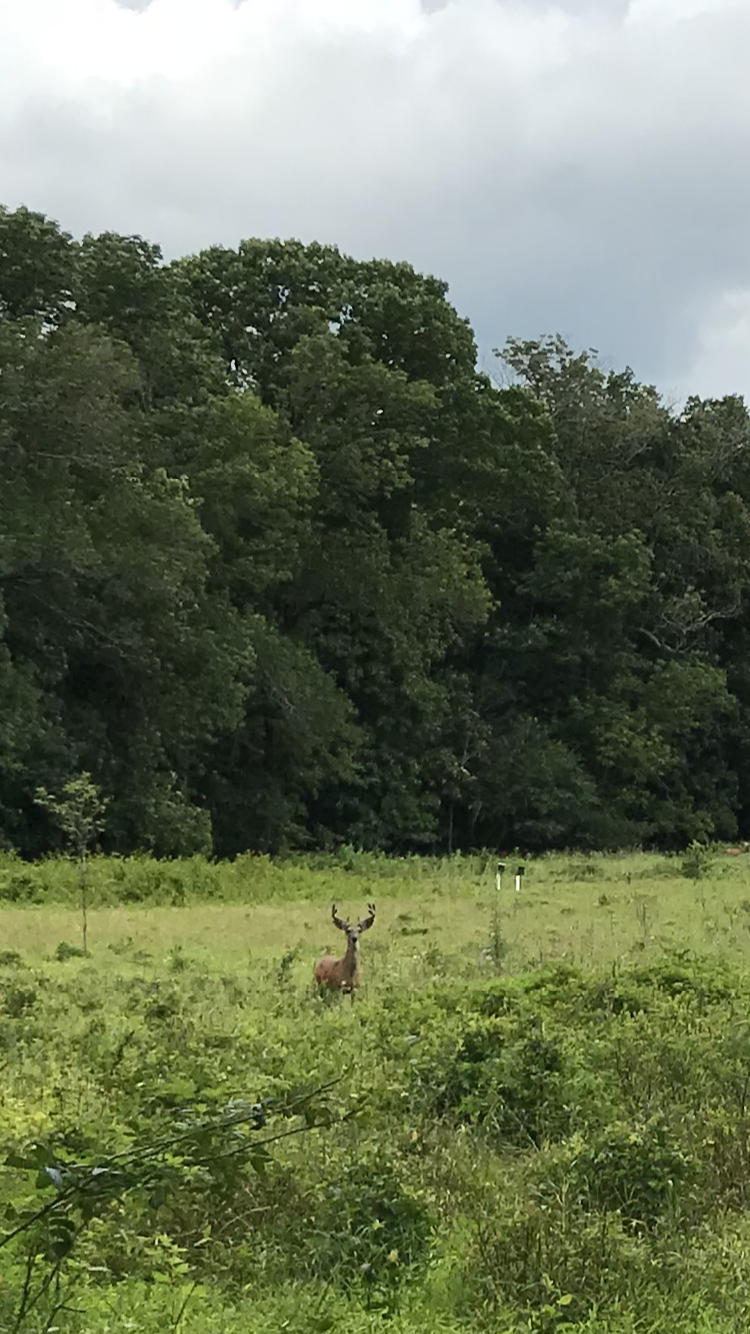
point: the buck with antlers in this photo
(343, 974)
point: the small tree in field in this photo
(79, 814)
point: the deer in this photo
(343, 974)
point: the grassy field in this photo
(587, 910)
(535, 1117)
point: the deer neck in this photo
(351, 958)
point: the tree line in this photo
(280, 568)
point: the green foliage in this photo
(192, 1139)
(114, 658)
(37, 264)
(66, 951)
(632, 1170)
(504, 1077)
(281, 570)
(370, 1230)
(697, 861)
(79, 813)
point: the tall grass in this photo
(539, 1105)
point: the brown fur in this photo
(343, 974)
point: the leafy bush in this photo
(17, 1000)
(369, 1228)
(509, 1077)
(696, 862)
(634, 1170)
(20, 887)
(66, 951)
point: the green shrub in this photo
(696, 862)
(507, 1076)
(634, 1170)
(17, 1000)
(66, 951)
(551, 1258)
(369, 1229)
(20, 887)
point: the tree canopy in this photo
(280, 568)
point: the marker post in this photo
(520, 873)
(499, 879)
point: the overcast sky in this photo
(579, 167)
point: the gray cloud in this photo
(577, 167)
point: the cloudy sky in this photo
(579, 167)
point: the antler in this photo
(342, 926)
(366, 922)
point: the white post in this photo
(519, 875)
(499, 877)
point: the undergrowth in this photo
(199, 1142)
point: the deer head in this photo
(353, 933)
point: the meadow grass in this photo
(540, 1103)
(593, 910)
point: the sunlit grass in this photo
(588, 911)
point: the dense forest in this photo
(279, 567)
